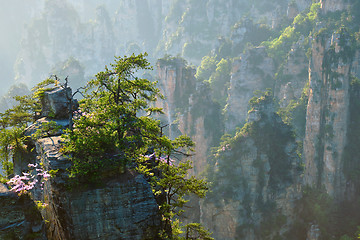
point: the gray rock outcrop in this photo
(55, 103)
(328, 114)
(19, 217)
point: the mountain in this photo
(286, 166)
(268, 90)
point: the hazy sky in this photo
(16, 14)
(13, 15)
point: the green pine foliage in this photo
(302, 25)
(14, 121)
(109, 132)
(216, 73)
(114, 131)
(206, 68)
(220, 81)
(294, 114)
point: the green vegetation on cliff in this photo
(258, 153)
(303, 23)
(14, 121)
(114, 131)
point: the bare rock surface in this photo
(55, 103)
(19, 217)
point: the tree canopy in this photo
(114, 130)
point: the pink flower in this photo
(46, 175)
(22, 184)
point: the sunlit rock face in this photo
(327, 121)
(55, 103)
(188, 108)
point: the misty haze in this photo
(180, 119)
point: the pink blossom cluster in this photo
(226, 147)
(222, 149)
(79, 113)
(161, 159)
(22, 184)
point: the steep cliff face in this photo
(293, 75)
(188, 108)
(177, 84)
(246, 186)
(121, 207)
(255, 179)
(20, 218)
(254, 175)
(332, 67)
(253, 71)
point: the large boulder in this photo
(55, 103)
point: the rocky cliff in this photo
(189, 108)
(287, 164)
(253, 71)
(20, 217)
(121, 207)
(327, 113)
(255, 179)
(314, 82)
